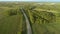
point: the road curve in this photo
(29, 30)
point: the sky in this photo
(35, 0)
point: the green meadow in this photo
(44, 17)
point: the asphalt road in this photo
(29, 30)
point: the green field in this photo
(44, 17)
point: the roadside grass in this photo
(12, 24)
(45, 28)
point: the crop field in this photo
(44, 18)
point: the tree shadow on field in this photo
(23, 32)
(24, 29)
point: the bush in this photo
(12, 12)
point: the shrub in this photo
(12, 12)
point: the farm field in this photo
(42, 18)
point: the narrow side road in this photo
(29, 30)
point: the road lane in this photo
(29, 30)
